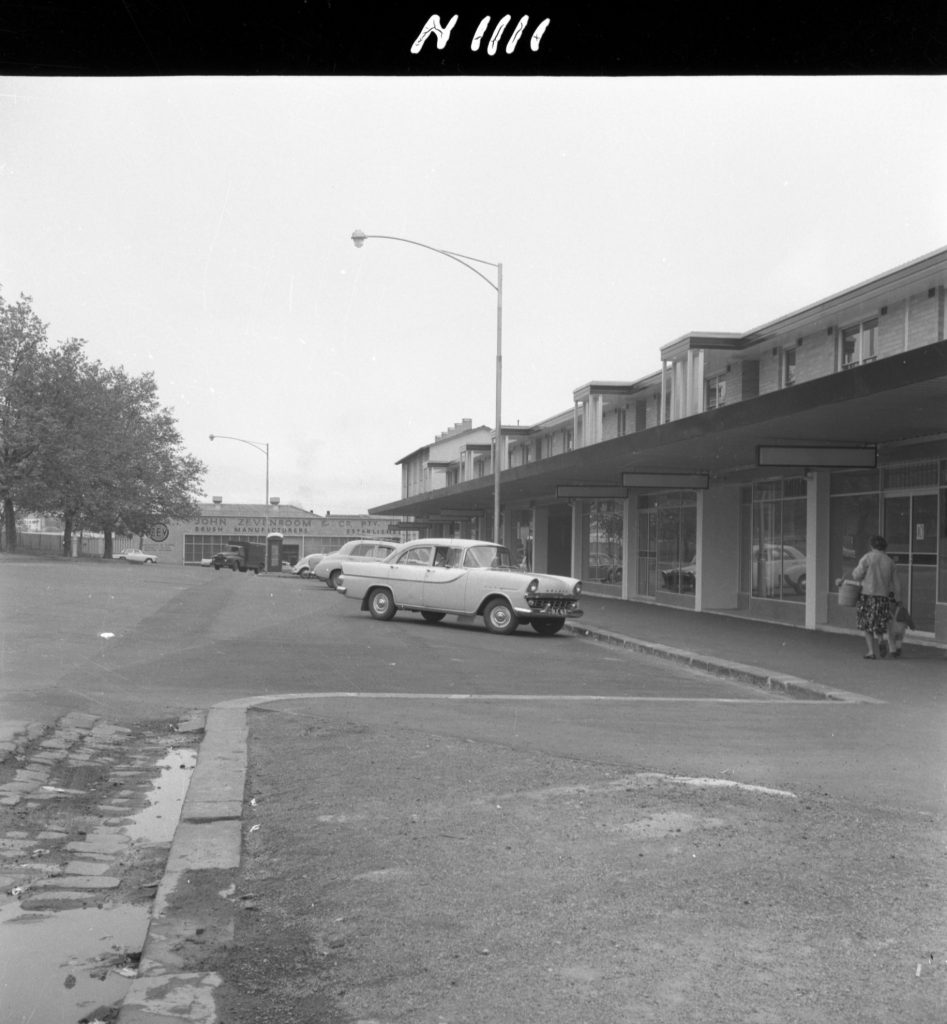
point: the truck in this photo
(241, 555)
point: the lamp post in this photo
(358, 237)
(264, 447)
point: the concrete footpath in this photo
(209, 835)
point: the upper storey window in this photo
(788, 368)
(716, 392)
(857, 344)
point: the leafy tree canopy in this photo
(84, 441)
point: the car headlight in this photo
(577, 589)
(532, 587)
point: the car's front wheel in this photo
(547, 627)
(498, 617)
(334, 578)
(304, 573)
(432, 616)
(381, 604)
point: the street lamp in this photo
(261, 446)
(358, 237)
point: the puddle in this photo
(156, 822)
(60, 966)
(43, 979)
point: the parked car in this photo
(604, 568)
(682, 579)
(439, 577)
(779, 562)
(137, 555)
(306, 564)
(329, 569)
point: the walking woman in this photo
(874, 610)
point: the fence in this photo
(51, 544)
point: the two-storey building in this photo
(746, 475)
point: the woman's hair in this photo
(878, 542)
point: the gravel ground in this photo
(395, 875)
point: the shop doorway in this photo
(559, 549)
(910, 527)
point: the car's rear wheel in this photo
(432, 616)
(334, 578)
(381, 604)
(547, 627)
(498, 617)
(304, 572)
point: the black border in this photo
(341, 37)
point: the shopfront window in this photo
(522, 542)
(778, 555)
(603, 528)
(667, 543)
(853, 521)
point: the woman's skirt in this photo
(872, 614)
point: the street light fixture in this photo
(359, 237)
(261, 446)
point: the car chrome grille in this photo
(551, 605)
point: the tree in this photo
(84, 441)
(23, 411)
(135, 471)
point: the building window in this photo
(778, 555)
(788, 370)
(667, 543)
(603, 527)
(857, 344)
(620, 421)
(716, 394)
(641, 416)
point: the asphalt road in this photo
(144, 643)
(127, 641)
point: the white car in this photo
(466, 578)
(306, 564)
(782, 566)
(137, 555)
(329, 569)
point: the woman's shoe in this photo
(868, 657)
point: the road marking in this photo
(249, 702)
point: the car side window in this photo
(417, 556)
(447, 557)
(480, 557)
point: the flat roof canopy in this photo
(893, 401)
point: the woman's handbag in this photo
(901, 614)
(848, 593)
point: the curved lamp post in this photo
(261, 446)
(358, 237)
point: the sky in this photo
(199, 228)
